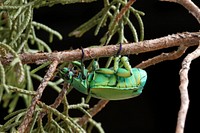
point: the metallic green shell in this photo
(108, 86)
(113, 87)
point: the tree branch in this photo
(190, 6)
(24, 127)
(93, 111)
(163, 57)
(185, 39)
(124, 10)
(58, 100)
(183, 89)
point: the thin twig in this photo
(190, 6)
(183, 89)
(163, 57)
(24, 127)
(58, 100)
(124, 10)
(93, 111)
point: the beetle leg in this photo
(117, 59)
(105, 71)
(116, 63)
(126, 64)
(121, 72)
(122, 62)
(126, 71)
(109, 62)
(76, 64)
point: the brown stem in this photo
(58, 100)
(123, 10)
(163, 57)
(190, 6)
(185, 39)
(183, 89)
(93, 111)
(24, 127)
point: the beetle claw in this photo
(119, 50)
(83, 54)
(82, 66)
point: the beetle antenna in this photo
(119, 50)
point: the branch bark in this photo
(183, 89)
(24, 127)
(195, 11)
(163, 57)
(190, 6)
(186, 39)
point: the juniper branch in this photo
(180, 39)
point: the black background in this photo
(156, 109)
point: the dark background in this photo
(156, 109)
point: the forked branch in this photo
(163, 57)
(184, 89)
(190, 6)
(195, 11)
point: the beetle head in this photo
(67, 74)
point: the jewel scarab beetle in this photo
(116, 83)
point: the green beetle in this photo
(117, 83)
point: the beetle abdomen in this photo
(111, 93)
(121, 87)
